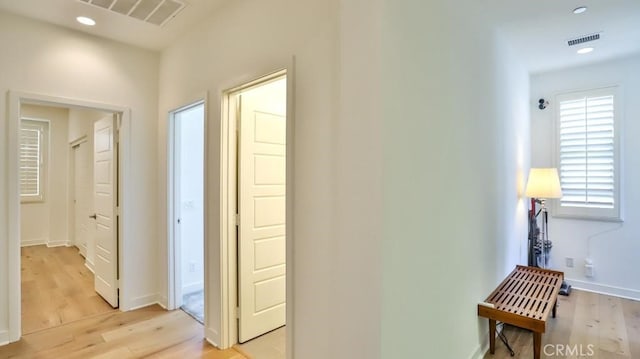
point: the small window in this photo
(33, 145)
(587, 154)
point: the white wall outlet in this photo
(192, 267)
(569, 262)
(588, 268)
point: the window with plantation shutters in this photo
(32, 156)
(587, 155)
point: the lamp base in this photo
(565, 289)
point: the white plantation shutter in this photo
(587, 154)
(32, 140)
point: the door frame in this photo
(15, 100)
(228, 208)
(174, 296)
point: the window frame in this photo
(614, 214)
(44, 128)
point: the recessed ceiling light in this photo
(580, 10)
(86, 20)
(585, 50)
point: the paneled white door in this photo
(105, 202)
(262, 172)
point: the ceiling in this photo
(537, 30)
(113, 25)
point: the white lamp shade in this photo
(543, 183)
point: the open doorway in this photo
(112, 212)
(68, 193)
(187, 207)
(257, 171)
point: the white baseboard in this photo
(33, 242)
(142, 301)
(482, 349)
(192, 288)
(4, 337)
(163, 301)
(82, 248)
(52, 244)
(90, 266)
(605, 289)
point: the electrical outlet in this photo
(569, 262)
(192, 267)
(588, 268)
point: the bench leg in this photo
(555, 305)
(492, 336)
(537, 345)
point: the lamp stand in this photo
(544, 234)
(533, 234)
(565, 289)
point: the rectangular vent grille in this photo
(156, 12)
(583, 39)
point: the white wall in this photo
(396, 205)
(46, 59)
(355, 252)
(190, 134)
(81, 123)
(47, 222)
(236, 44)
(613, 247)
(455, 139)
(511, 100)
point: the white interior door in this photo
(262, 172)
(105, 196)
(83, 196)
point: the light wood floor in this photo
(57, 288)
(150, 332)
(268, 346)
(610, 325)
(63, 317)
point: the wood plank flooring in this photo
(150, 332)
(57, 288)
(63, 317)
(608, 327)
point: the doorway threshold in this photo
(193, 304)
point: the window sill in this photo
(32, 201)
(588, 218)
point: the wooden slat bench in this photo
(524, 299)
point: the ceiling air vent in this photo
(583, 39)
(156, 12)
